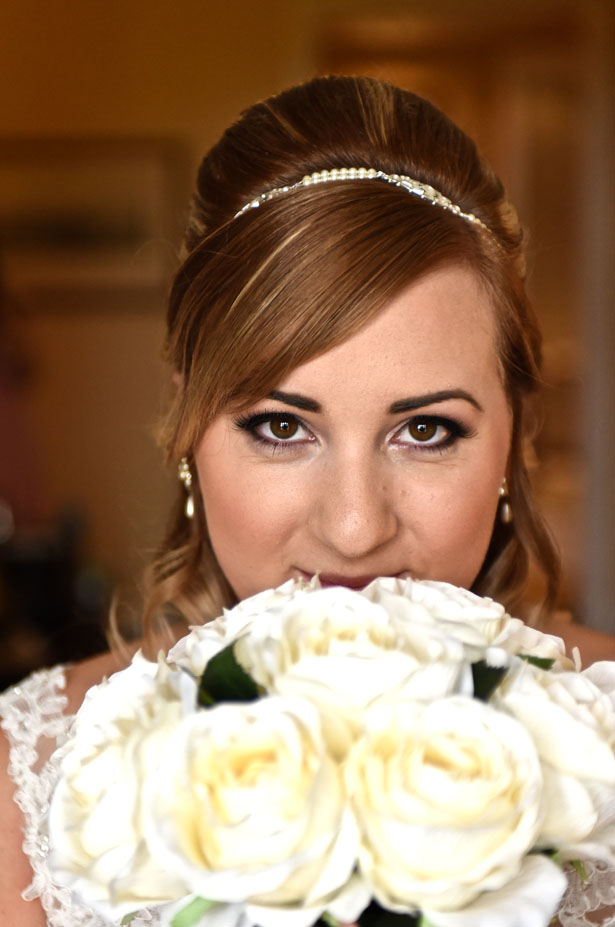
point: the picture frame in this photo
(82, 219)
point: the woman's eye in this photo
(433, 433)
(424, 431)
(280, 427)
(275, 428)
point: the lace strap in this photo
(589, 902)
(33, 715)
(34, 718)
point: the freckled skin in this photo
(356, 489)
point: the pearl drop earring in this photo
(184, 474)
(506, 513)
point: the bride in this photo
(355, 360)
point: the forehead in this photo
(438, 333)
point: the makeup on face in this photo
(382, 456)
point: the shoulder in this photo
(35, 713)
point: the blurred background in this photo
(106, 108)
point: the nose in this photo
(354, 511)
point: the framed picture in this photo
(89, 216)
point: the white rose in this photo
(448, 801)
(247, 806)
(440, 600)
(271, 600)
(588, 696)
(479, 622)
(458, 613)
(204, 641)
(95, 818)
(517, 637)
(194, 651)
(597, 702)
(342, 652)
(572, 722)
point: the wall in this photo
(114, 70)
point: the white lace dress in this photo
(34, 712)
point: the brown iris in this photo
(423, 431)
(283, 427)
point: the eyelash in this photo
(250, 424)
(456, 431)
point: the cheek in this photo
(470, 527)
(244, 519)
(250, 521)
(456, 535)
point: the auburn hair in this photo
(260, 293)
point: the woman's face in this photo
(383, 456)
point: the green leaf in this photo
(192, 913)
(224, 680)
(375, 916)
(128, 918)
(541, 662)
(327, 920)
(486, 679)
(579, 867)
(554, 855)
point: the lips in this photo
(350, 582)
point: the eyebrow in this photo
(402, 405)
(297, 400)
(416, 402)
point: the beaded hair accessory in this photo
(422, 190)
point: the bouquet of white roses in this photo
(408, 754)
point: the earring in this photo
(184, 474)
(506, 514)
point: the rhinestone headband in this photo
(422, 190)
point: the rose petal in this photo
(529, 900)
